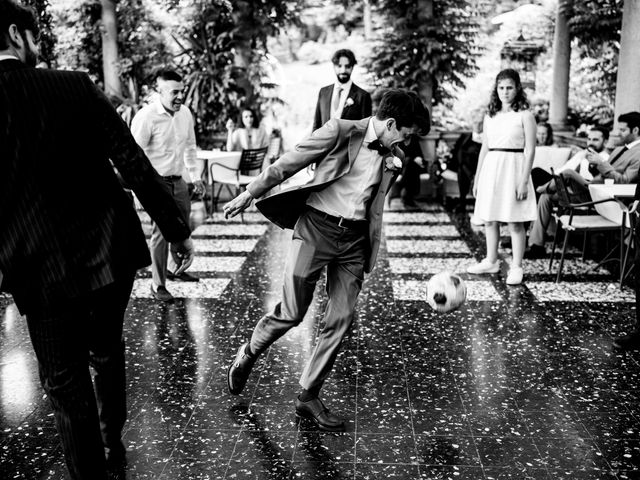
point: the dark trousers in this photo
(87, 333)
(466, 172)
(410, 180)
(158, 246)
(317, 243)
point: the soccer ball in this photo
(446, 291)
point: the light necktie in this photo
(336, 101)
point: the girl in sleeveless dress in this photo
(502, 187)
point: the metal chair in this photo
(235, 179)
(590, 222)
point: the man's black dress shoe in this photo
(239, 370)
(183, 277)
(315, 411)
(536, 251)
(161, 293)
(409, 202)
(628, 342)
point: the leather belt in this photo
(172, 177)
(340, 221)
(515, 150)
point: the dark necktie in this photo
(378, 147)
(618, 155)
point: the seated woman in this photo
(544, 135)
(249, 135)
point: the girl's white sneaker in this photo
(515, 276)
(485, 266)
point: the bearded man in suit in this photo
(344, 99)
(70, 241)
(337, 222)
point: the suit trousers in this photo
(88, 332)
(318, 243)
(158, 245)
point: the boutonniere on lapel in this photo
(349, 102)
(392, 163)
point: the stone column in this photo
(627, 89)
(559, 104)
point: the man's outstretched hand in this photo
(237, 205)
(182, 254)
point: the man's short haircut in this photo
(344, 52)
(13, 14)
(632, 119)
(168, 74)
(604, 131)
(406, 109)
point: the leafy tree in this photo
(141, 43)
(596, 25)
(429, 53)
(47, 37)
(223, 46)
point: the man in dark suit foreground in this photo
(70, 239)
(337, 222)
(344, 99)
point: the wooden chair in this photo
(235, 180)
(574, 216)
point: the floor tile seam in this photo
(408, 396)
(465, 410)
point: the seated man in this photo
(622, 167)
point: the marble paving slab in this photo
(415, 217)
(422, 266)
(427, 246)
(412, 290)
(580, 292)
(394, 230)
(572, 266)
(216, 264)
(222, 229)
(205, 288)
(225, 245)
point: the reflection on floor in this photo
(519, 383)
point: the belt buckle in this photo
(340, 223)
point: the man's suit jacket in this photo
(359, 109)
(66, 225)
(623, 169)
(333, 148)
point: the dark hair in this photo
(519, 102)
(168, 74)
(343, 52)
(549, 140)
(13, 14)
(632, 119)
(256, 120)
(406, 109)
(604, 131)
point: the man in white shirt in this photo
(343, 99)
(164, 130)
(621, 166)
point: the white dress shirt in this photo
(580, 164)
(169, 141)
(347, 197)
(344, 93)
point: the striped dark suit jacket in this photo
(66, 225)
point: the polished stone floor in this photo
(520, 383)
